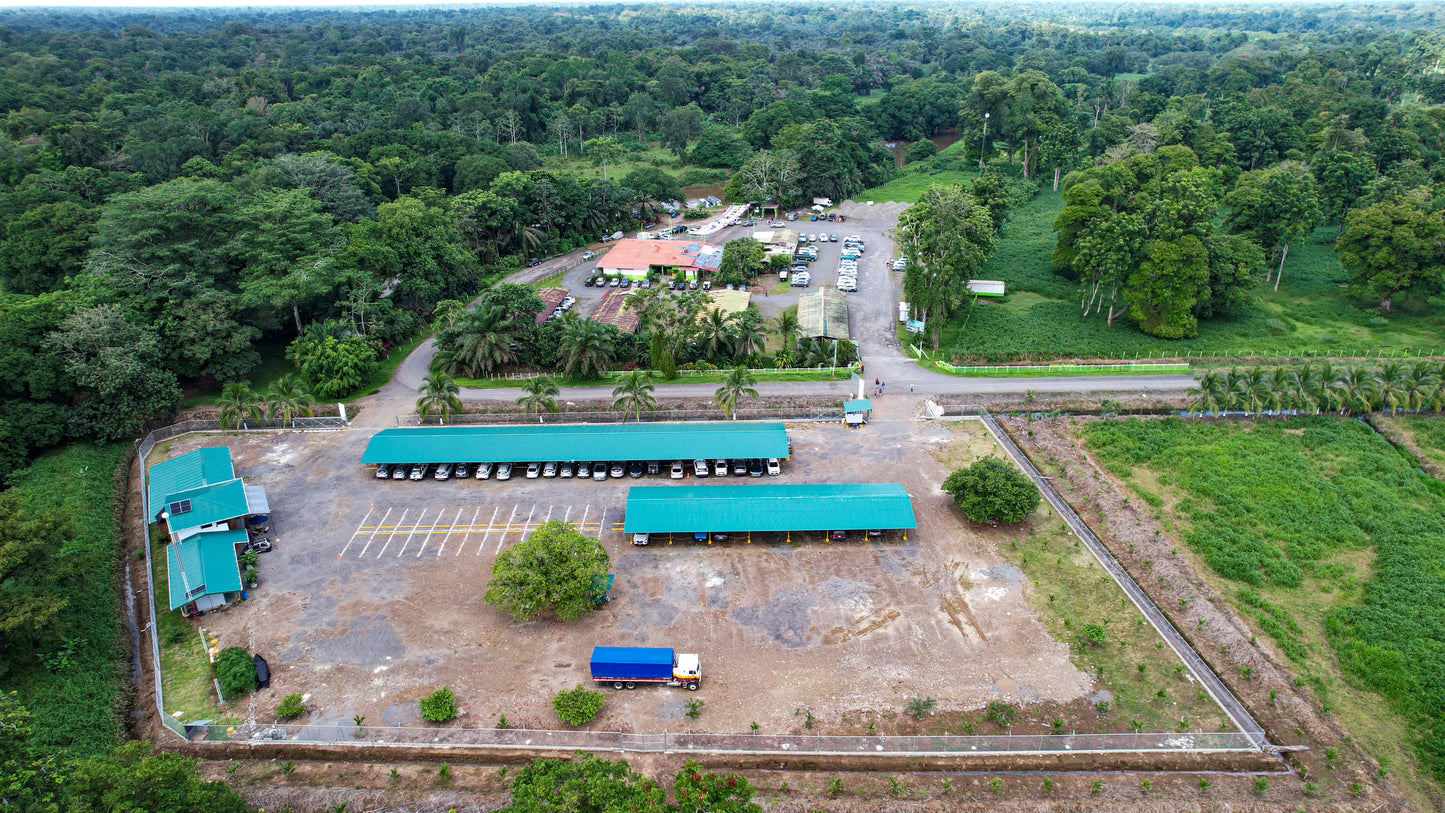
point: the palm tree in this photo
(440, 394)
(1212, 394)
(484, 342)
(286, 399)
(786, 326)
(1391, 380)
(1326, 398)
(586, 348)
(1355, 390)
(1419, 383)
(541, 395)
(716, 335)
(1253, 387)
(634, 394)
(238, 404)
(1280, 395)
(739, 382)
(747, 335)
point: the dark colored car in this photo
(654, 467)
(755, 467)
(740, 467)
(634, 469)
(533, 262)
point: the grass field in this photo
(582, 166)
(1039, 319)
(907, 187)
(78, 708)
(1329, 540)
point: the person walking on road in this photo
(910, 388)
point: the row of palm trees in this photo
(635, 394)
(282, 403)
(1319, 388)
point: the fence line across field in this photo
(343, 733)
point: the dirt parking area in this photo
(373, 597)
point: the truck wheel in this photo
(631, 685)
(692, 687)
(617, 684)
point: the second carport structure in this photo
(768, 508)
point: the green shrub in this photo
(1094, 634)
(921, 707)
(236, 672)
(439, 706)
(992, 490)
(291, 707)
(578, 706)
(1002, 713)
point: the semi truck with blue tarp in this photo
(626, 666)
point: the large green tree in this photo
(993, 490)
(555, 569)
(1394, 248)
(1277, 206)
(947, 237)
(116, 369)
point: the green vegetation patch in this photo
(1311, 313)
(77, 690)
(1429, 436)
(909, 186)
(1287, 511)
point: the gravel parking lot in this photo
(373, 596)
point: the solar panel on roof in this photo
(181, 507)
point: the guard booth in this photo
(857, 413)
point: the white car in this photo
(549, 469)
(504, 471)
(640, 539)
(484, 471)
(720, 468)
(678, 470)
(533, 470)
(700, 468)
(774, 467)
(900, 264)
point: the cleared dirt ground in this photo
(373, 598)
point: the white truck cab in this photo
(687, 671)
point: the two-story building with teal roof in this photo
(204, 506)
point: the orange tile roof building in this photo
(637, 259)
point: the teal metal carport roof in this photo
(739, 509)
(564, 442)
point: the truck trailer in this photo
(626, 666)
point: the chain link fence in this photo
(341, 732)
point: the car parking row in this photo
(853, 248)
(582, 470)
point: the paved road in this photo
(872, 319)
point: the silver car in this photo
(484, 471)
(504, 471)
(549, 469)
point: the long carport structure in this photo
(768, 508)
(574, 442)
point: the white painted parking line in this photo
(436, 521)
(409, 535)
(583, 523)
(548, 518)
(389, 534)
(374, 531)
(503, 537)
(567, 517)
(602, 523)
(490, 524)
(526, 526)
(357, 532)
(471, 525)
(450, 528)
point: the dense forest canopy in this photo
(185, 192)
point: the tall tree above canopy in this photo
(948, 237)
(1276, 206)
(288, 245)
(167, 251)
(1395, 247)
